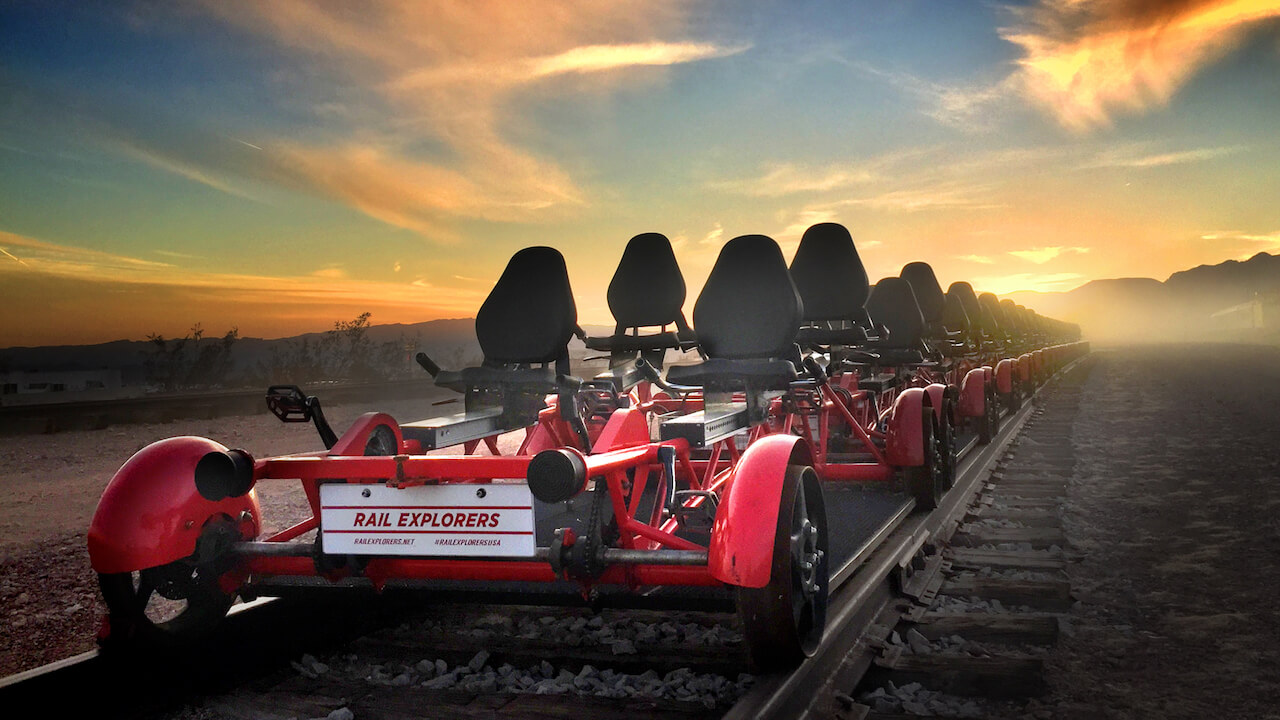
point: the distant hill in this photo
(1205, 302)
(450, 342)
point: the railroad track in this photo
(388, 657)
(977, 648)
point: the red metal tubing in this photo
(298, 530)
(391, 468)
(860, 472)
(379, 570)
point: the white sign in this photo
(427, 520)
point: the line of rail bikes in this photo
(803, 412)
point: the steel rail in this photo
(868, 594)
(111, 684)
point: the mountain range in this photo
(1202, 302)
(1231, 300)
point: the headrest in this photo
(1012, 316)
(964, 291)
(529, 315)
(749, 307)
(954, 317)
(647, 288)
(928, 292)
(829, 274)
(893, 304)
(993, 316)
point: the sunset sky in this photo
(278, 166)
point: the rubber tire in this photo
(782, 622)
(923, 483)
(989, 423)
(950, 461)
(206, 606)
(1012, 400)
(381, 442)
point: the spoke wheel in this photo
(947, 445)
(1013, 398)
(924, 483)
(989, 424)
(167, 606)
(783, 621)
(382, 441)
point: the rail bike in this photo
(711, 484)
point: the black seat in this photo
(833, 286)
(993, 321)
(954, 317)
(527, 319)
(929, 297)
(746, 317)
(647, 290)
(963, 292)
(893, 304)
(1013, 317)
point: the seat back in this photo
(749, 307)
(927, 290)
(530, 314)
(893, 304)
(1012, 317)
(647, 289)
(968, 299)
(829, 274)
(993, 322)
(954, 317)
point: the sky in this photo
(280, 166)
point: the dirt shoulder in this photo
(1174, 503)
(49, 486)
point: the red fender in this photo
(151, 514)
(549, 433)
(354, 440)
(904, 445)
(1004, 376)
(973, 399)
(1024, 366)
(627, 427)
(936, 392)
(741, 551)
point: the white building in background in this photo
(105, 382)
(1254, 319)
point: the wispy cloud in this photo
(161, 160)
(1005, 284)
(1043, 255)
(90, 270)
(1250, 243)
(965, 107)
(1141, 157)
(941, 196)
(446, 72)
(500, 72)
(41, 256)
(789, 179)
(980, 259)
(1085, 60)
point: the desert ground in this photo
(1172, 506)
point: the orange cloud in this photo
(1085, 61)
(1042, 255)
(99, 296)
(447, 72)
(46, 258)
(1047, 282)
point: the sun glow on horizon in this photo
(297, 164)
